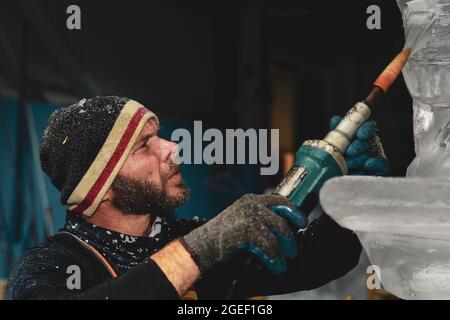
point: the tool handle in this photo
(344, 132)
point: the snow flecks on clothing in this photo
(122, 251)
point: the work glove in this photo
(365, 154)
(248, 224)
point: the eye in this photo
(145, 144)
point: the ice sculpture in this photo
(404, 227)
(427, 75)
(404, 223)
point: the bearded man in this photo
(121, 185)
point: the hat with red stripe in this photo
(86, 144)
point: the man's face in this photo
(149, 181)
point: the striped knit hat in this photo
(86, 144)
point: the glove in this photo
(365, 154)
(248, 225)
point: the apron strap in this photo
(95, 252)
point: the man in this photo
(117, 177)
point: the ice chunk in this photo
(402, 206)
(418, 18)
(404, 227)
(427, 29)
(432, 142)
(427, 76)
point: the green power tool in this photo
(319, 160)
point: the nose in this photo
(169, 151)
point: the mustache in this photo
(173, 169)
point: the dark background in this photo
(192, 59)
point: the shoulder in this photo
(43, 266)
(41, 256)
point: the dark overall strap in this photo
(94, 252)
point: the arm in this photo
(41, 274)
(246, 225)
(326, 252)
(178, 266)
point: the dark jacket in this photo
(326, 252)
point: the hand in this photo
(249, 225)
(365, 154)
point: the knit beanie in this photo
(85, 145)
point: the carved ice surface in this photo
(404, 227)
(427, 76)
(404, 223)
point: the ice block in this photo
(404, 227)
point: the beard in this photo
(138, 197)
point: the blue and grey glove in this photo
(248, 224)
(365, 154)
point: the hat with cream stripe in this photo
(85, 145)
